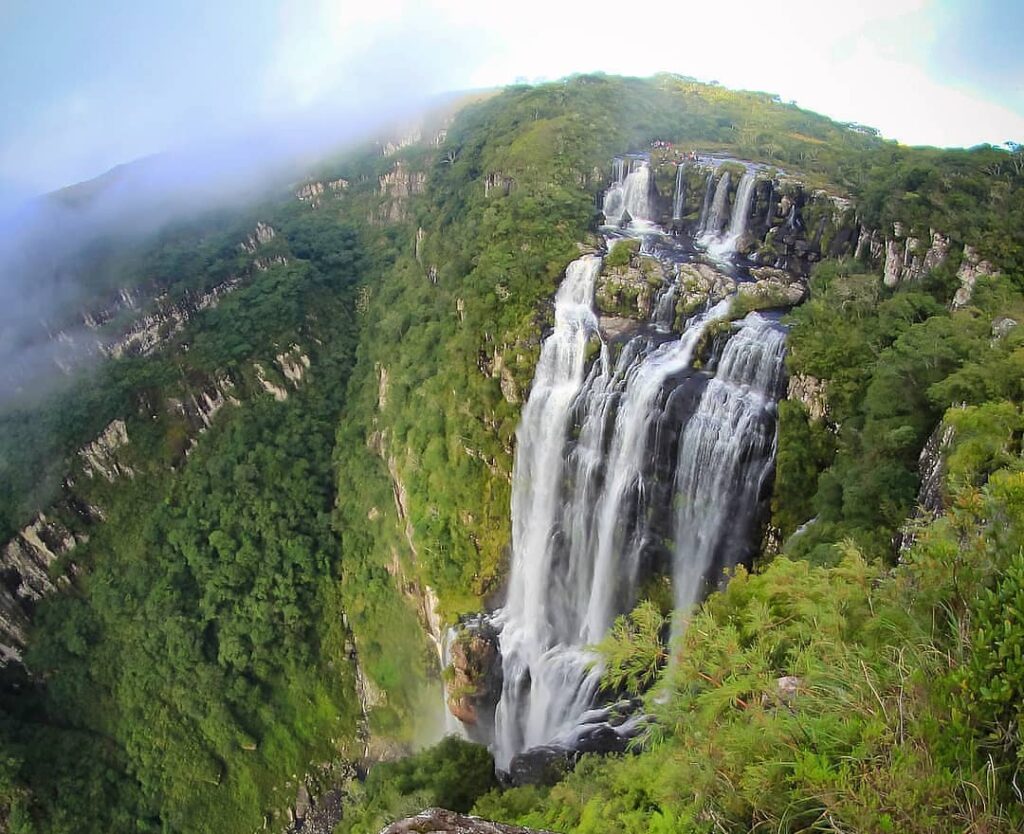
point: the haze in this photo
(88, 86)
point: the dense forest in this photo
(261, 599)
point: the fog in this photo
(218, 102)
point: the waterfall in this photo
(578, 528)
(664, 313)
(629, 197)
(635, 463)
(741, 208)
(725, 458)
(724, 246)
(719, 205)
(680, 193)
(706, 207)
(554, 676)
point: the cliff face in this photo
(25, 572)
(35, 562)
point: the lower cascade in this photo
(650, 455)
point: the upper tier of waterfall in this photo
(629, 199)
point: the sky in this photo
(86, 86)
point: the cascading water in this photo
(705, 209)
(629, 198)
(640, 461)
(712, 226)
(726, 456)
(723, 246)
(680, 193)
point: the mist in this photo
(210, 161)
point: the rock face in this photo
(474, 676)
(972, 267)
(810, 391)
(24, 570)
(263, 233)
(448, 822)
(396, 187)
(772, 288)
(628, 290)
(153, 330)
(904, 260)
(499, 184)
(99, 458)
(700, 282)
(931, 495)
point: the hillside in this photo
(238, 543)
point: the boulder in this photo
(440, 821)
(474, 675)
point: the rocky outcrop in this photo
(499, 184)
(604, 730)
(972, 267)
(629, 290)
(870, 245)
(473, 677)
(153, 330)
(276, 391)
(812, 393)
(1002, 326)
(25, 578)
(772, 288)
(931, 495)
(700, 283)
(314, 192)
(904, 259)
(262, 234)
(99, 458)
(395, 188)
(310, 192)
(440, 821)
(202, 403)
(292, 364)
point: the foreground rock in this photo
(440, 820)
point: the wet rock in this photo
(440, 821)
(701, 283)
(474, 674)
(628, 291)
(544, 765)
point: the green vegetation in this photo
(453, 774)
(633, 653)
(849, 696)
